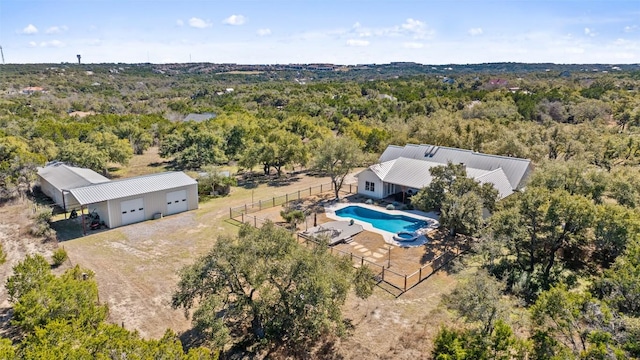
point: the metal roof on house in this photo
(499, 180)
(381, 170)
(199, 117)
(516, 169)
(65, 177)
(131, 187)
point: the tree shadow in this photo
(191, 338)
(7, 330)
(283, 181)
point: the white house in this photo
(406, 169)
(119, 202)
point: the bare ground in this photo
(16, 244)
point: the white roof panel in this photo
(131, 187)
(65, 177)
(499, 180)
(515, 169)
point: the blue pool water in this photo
(382, 221)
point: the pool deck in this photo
(431, 218)
(338, 231)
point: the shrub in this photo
(391, 207)
(40, 226)
(369, 202)
(43, 215)
(59, 257)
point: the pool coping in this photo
(431, 218)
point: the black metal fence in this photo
(392, 281)
(237, 212)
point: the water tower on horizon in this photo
(79, 56)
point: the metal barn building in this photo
(57, 178)
(126, 201)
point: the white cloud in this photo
(357, 42)
(199, 23)
(234, 20)
(630, 28)
(263, 32)
(413, 45)
(179, 22)
(29, 30)
(52, 43)
(417, 28)
(589, 32)
(56, 29)
(475, 31)
(32, 44)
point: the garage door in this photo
(132, 211)
(177, 202)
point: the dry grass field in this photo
(136, 270)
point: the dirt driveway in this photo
(136, 265)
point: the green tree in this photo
(39, 297)
(116, 150)
(452, 179)
(449, 345)
(615, 227)
(337, 157)
(537, 226)
(82, 154)
(620, 285)
(461, 214)
(282, 148)
(266, 284)
(478, 300)
(574, 319)
(194, 147)
(292, 216)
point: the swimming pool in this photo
(382, 221)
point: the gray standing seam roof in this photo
(416, 174)
(199, 117)
(130, 187)
(65, 177)
(515, 169)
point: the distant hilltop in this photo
(302, 73)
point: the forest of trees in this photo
(562, 256)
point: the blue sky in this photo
(314, 31)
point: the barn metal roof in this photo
(131, 187)
(65, 177)
(515, 169)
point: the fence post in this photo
(420, 274)
(245, 208)
(309, 190)
(383, 273)
(242, 217)
(320, 188)
(230, 213)
(361, 261)
(259, 204)
(274, 201)
(405, 282)
(298, 195)
(286, 198)
(255, 222)
(350, 192)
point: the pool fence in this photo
(392, 281)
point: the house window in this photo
(370, 186)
